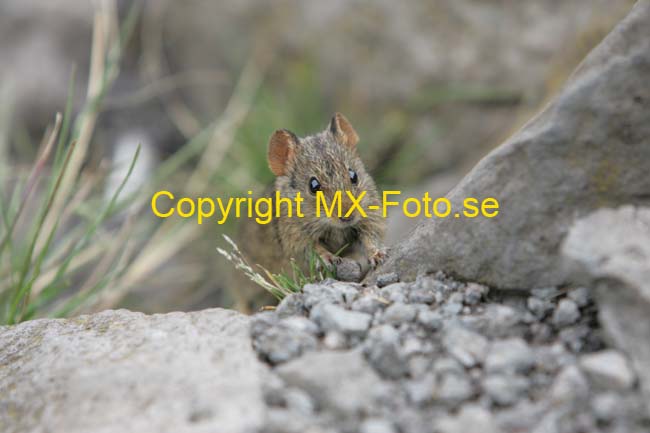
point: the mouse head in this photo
(326, 162)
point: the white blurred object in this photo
(123, 154)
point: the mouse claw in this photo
(378, 257)
(328, 260)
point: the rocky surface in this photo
(431, 355)
(589, 148)
(438, 355)
(119, 371)
(611, 250)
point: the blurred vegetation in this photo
(52, 218)
(66, 249)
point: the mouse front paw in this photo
(328, 259)
(377, 257)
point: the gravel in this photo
(505, 389)
(438, 355)
(608, 369)
(386, 279)
(566, 313)
(399, 313)
(509, 355)
(468, 347)
(334, 318)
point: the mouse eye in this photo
(353, 176)
(314, 185)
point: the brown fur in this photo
(327, 156)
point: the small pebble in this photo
(468, 347)
(474, 293)
(607, 406)
(608, 369)
(385, 279)
(581, 296)
(539, 307)
(396, 292)
(420, 391)
(453, 389)
(399, 313)
(566, 313)
(452, 309)
(510, 355)
(431, 320)
(505, 390)
(335, 318)
(570, 387)
(369, 304)
(377, 425)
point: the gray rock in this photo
(369, 303)
(329, 291)
(446, 364)
(566, 313)
(122, 371)
(546, 293)
(422, 295)
(421, 390)
(335, 340)
(520, 417)
(453, 389)
(511, 355)
(575, 337)
(540, 307)
(287, 421)
(398, 313)
(299, 401)
(456, 298)
(611, 250)
(470, 418)
(474, 293)
(386, 279)
(541, 333)
(608, 369)
(502, 320)
(452, 309)
(570, 387)
(334, 318)
(396, 292)
(383, 351)
(279, 344)
(581, 296)
(349, 270)
(413, 345)
(505, 389)
(343, 383)
(468, 347)
(419, 366)
(549, 173)
(299, 324)
(291, 305)
(377, 425)
(432, 320)
(553, 357)
(607, 406)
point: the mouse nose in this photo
(346, 219)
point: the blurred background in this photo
(198, 87)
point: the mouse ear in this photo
(282, 146)
(343, 131)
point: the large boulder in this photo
(611, 250)
(119, 371)
(589, 148)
